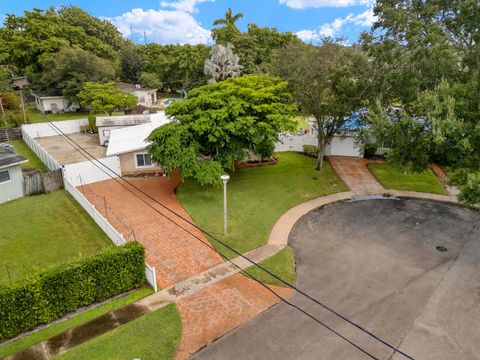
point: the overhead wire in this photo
(293, 287)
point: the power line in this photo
(361, 328)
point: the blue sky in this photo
(190, 21)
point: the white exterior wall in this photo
(145, 97)
(12, 189)
(339, 146)
(45, 104)
(90, 172)
(106, 137)
(343, 147)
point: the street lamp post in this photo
(225, 179)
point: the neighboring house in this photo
(11, 177)
(130, 145)
(106, 124)
(145, 96)
(47, 103)
(20, 82)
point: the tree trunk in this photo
(321, 153)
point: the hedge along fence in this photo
(63, 288)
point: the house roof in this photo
(9, 158)
(132, 87)
(43, 95)
(133, 138)
(125, 120)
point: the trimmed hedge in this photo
(310, 150)
(63, 288)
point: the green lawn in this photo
(257, 197)
(34, 116)
(394, 178)
(74, 321)
(33, 161)
(150, 337)
(282, 264)
(40, 231)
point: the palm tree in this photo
(229, 20)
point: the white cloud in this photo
(364, 19)
(189, 6)
(303, 4)
(164, 26)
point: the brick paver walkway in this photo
(175, 254)
(220, 308)
(355, 174)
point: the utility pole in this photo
(145, 36)
(23, 108)
(4, 116)
(131, 32)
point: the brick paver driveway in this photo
(176, 255)
(354, 172)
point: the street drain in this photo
(441, 248)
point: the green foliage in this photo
(282, 264)
(131, 63)
(329, 82)
(469, 185)
(11, 105)
(105, 97)
(26, 40)
(310, 150)
(92, 122)
(173, 67)
(61, 289)
(219, 123)
(369, 149)
(69, 69)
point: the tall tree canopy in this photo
(427, 55)
(329, 82)
(220, 123)
(69, 69)
(173, 67)
(26, 40)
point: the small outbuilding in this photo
(145, 96)
(57, 103)
(106, 124)
(11, 177)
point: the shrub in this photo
(92, 121)
(370, 149)
(55, 292)
(310, 150)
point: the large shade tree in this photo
(221, 123)
(427, 55)
(106, 98)
(329, 82)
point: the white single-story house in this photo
(145, 96)
(105, 125)
(11, 177)
(47, 103)
(130, 145)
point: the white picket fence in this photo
(293, 142)
(72, 177)
(51, 163)
(45, 129)
(111, 232)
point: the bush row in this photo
(57, 291)
(310, 150)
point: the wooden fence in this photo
(37, 182)
(7, 134)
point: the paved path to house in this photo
(182, 263)
(355, 174)
(376, 262)
(442, 176)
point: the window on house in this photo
(143, 160)
(4, 176)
